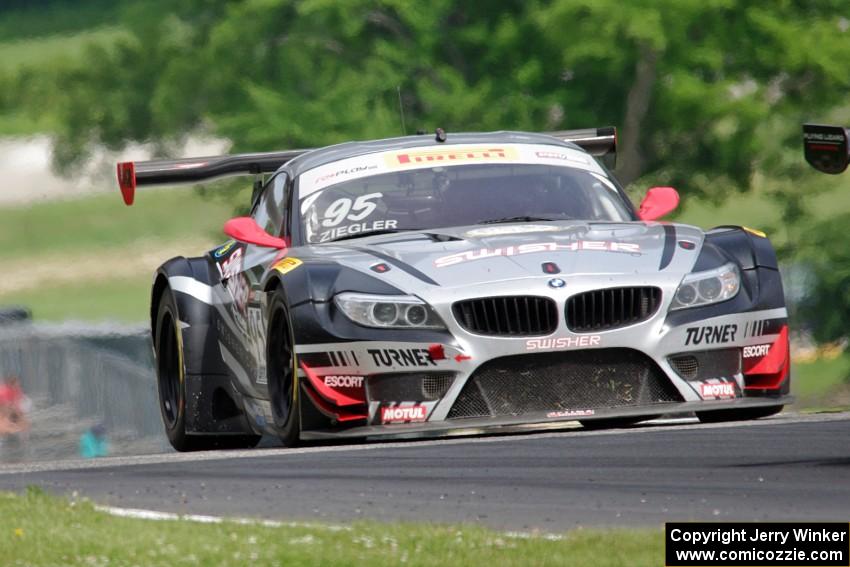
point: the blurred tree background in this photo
(708, 95)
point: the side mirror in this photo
(826, 147)
(246, 229)
(658, 202)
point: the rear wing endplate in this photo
(826, 147)
(599, 142)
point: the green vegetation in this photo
(92, 258)
(822, 382)
(762, 210)
(54, 50)
(37, 529)
(49, 18)
(113, 299)
(84, 226)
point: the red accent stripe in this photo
(769, 372)
(328, 393)
(332, 412)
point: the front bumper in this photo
(641, 369)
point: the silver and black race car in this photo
(453, 283)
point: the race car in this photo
(456, 283)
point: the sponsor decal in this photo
(823, 137)
(450, 155)
(563, 342)
(340, 174)
(563, 156)
(224, 249)
(346, 209)
(335, 233)
(257, 342)
(232, 265)
(343, 381)
(403, 413)
(240, 290)
(329, 359)
(763, 327)
(755, 351)
(484, 253)
(718, 390)
(570, 413)
(516, 229)
(711, 334)
(359, 167)
(402, 357)
(286, 265)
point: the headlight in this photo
(388, 311)
(704, 288)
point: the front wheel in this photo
(282, 375)
(744, 414)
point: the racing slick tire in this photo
(738, 414)
(281, 371)
(615, 422)
(171, 386)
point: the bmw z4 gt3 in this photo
(427, 286)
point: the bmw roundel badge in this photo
(557, 283)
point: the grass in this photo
(816, 382)
(123, 300)
(84, 226)
(37, 529)
(62, 246)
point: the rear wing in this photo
(826, 147)
(599, 142)
(132, 174)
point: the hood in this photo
(472, 255)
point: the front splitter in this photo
(534, 421)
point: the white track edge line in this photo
(142, 514)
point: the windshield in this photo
(434, 193)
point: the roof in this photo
(337, 152)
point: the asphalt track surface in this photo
(787, 468)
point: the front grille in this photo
(702, 365)
(516, 316)
(588, 379)
(409, 386)
(604, 309)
